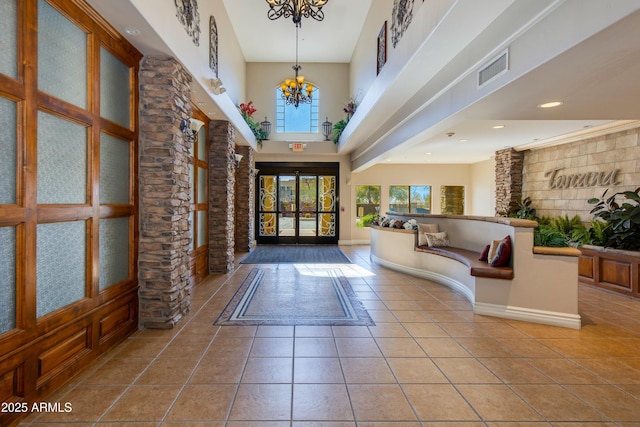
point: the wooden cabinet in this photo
(612, 269)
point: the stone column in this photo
(245, 200)
(163, 176)
(222, 183)
(509, 165)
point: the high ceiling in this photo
(596, 78)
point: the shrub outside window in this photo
(410, 198)
(367, 204)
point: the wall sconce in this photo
(266, 128)
(193, 125)
(327, 129)
(237, 158)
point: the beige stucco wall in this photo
(599, 155)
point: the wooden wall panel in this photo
(43, 353)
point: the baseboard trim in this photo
(552, 318)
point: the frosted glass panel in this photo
(114, 170)
(191, 228)
(192, 186)
(7, 151)
(62, 161)
(8, 38)
(114, 251)
(7, 279)
(62, 56)
(114, 89)
(202, 185)
(60, 264)
(202, 144)
(202, 228)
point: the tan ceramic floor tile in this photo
(203, 403)
(425, 330)
(416, 370)
(615, 404)
(557, 404)
(272, 347)
(412, 316)
(382, 329)
(268, 370)
(525, 347)
(484, 347)
(167, 371)
(369, 370)
(611, 370)
(262, 402)
(381, 316)
(212, 370)
(315, 347)
(438, 402)
(565, 371)
(442, 347)
(465, 370)
(515, 371)
(275, 331)
(497, 403)
(143, 403)
(380, 402)
(400, 347)
(118, 371)
(313, 332)
(357, 347)
(317, 370)
(88, 403)
(351, 331)
(321, 402)
(230, 347)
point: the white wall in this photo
(482, 193)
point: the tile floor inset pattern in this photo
(428, 361)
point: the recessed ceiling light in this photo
(211, 113)
(132, 31)
(202, 103)
(499, 126)
(464, 140)
(551, 104)
(428, 154)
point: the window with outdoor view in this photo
(367, 204)
(410, 198)
(303, 119)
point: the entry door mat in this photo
(290, 297)
(296, 254)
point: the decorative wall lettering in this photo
(580, 180)
(189, 17)
(402, 15)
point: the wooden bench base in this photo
(470, 259)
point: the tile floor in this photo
(429, 361)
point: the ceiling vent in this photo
(492, 70)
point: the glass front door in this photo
(297, 207)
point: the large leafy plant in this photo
(622, 218)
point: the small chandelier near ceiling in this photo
(296, 91)
(297, 9)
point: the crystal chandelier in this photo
(297, 9)
(296, 91)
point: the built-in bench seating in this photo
(471, 259)
(534, 286)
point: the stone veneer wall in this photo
(509, 164)
(163, 258)
(245, 201)
(583, 170)
(222, 182)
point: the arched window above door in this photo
(303, 119)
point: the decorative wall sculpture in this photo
(213, 45)
(189, 17)
(382, 48)
(402, 14)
